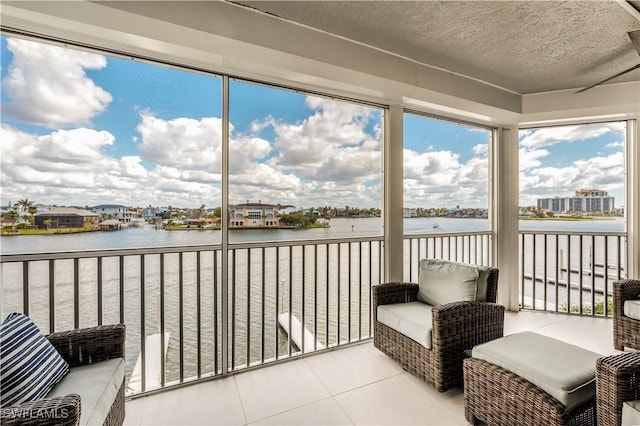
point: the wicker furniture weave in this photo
(499, 397)
(77, 347)
(617, 381)
(456, 327)
(626, 331)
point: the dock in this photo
(152, 366)
(297, 331)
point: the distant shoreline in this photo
(69, 231)
(571, 218)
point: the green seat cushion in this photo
(442, 281)
(564, 371)
(97, 384)
(412, 319)
(631, 413)
(631, 309)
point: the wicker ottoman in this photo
(530, 379)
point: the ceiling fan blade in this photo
(610, 78)
(635, 39)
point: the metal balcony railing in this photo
(467, 247)
(284, 298)
(570, 272)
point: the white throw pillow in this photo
(442, 281)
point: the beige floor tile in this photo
(210, 403)
(343, 370)
(134, 410)
(275, 389)
(451, 401)
(515, 322)
(324, 412)
(397, 400)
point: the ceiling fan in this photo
(635, 39)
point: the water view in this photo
(151, 236)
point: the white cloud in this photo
(68, 167)
(48, 85)
(604, 172)
(542, 177)
(330, 145)
(554, 135)
(481, 149)
(438, 178)
(531, 158)
(183, 143)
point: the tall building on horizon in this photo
(583, 201)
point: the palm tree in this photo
(11, 216)
(32, 212)
(25, 204)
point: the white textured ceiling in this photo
(523, 46)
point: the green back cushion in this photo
(483, 278)
(443, 281)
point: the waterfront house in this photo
(500, 66)
(254, 215)
(150, 213)
(67, 217)
(114, 211)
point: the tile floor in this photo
(357, 385)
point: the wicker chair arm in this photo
(59, 411)
(624, 290)
(394, 292)
(617, 379)
(627, 289)
(89, 345)
(470, 322)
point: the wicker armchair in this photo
(456, 327)
(77, 347)
(617, 381)
(626, 331)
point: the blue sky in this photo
(88, 129)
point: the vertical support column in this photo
(393, 193)
(632, 205)
(504, 213)
(224, 227)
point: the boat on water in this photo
(139, 222)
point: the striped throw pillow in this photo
(29, 364)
